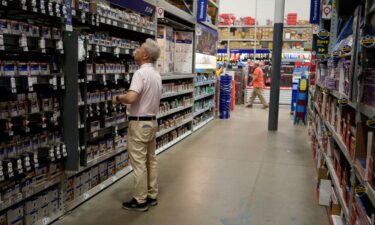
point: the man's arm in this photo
(128, 98)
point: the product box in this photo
(43, 212)
(165, 41)
(103, 171)
(77, 186)
(15, 215)
(31, 206)
(86, 181)
(94, 176)
(183, 52)
(3, 219)
(53, 206)
(31, 218)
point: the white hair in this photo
(152, 48)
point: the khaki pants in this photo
(258, 92)
(141, 148)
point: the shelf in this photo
(367, 110)
(105, 101)
(12, 42)
(107, 130)
(317, 109)
(126, 26)
(210, 25)
(103, 22)
(203, 96)
(177, 12)
(202, 111)
(168, 95)
(103, 158)
(337, 186)
(260, 40)
(36, 190)
(202, 124)
(89, 194)
(264, 26)
(339, 142)
(177, 76)
(178, 109)
(49, 219)
(165, 131)
(170, 144)
(109, 49)
(209, 82)
(213, 3)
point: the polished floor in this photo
(231, 172)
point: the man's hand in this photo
(114, 99)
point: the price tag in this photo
(102, 19)
(134, 28)
(143, 30)
(5, 3)
(89, 77)
(23, 41)
(115, 23)
(30, 83)
(126, 26)
(86, 196)
(95, 134)
(104, 49)
(42, 43)
(46, 220)
(117, 51)
(62, 82)
(104, 80)
(152, 32)
(343, 101)
(127, 51)
(13, 83)
(109, 21)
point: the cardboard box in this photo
(94, 176)
(53, 207)
(31, 206)
(42, 200)
(103, 171)
(15, 214)
(3, 219)
(43, 212)
(31, 218)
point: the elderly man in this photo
(258, 85)
(144, 99)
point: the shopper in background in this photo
(258, 86)
(144, 99)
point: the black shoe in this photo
(152, 202)
(135, 206)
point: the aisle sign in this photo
(320, 44)
(315, 12)
(159, 12)
(327, 12)
(202, 11)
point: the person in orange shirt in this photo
(258, 85)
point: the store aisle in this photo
(232, 172)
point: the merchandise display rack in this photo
(341, 114)
(75, 142)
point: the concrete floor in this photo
(232, 172)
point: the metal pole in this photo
(255, 29)
(278, 26)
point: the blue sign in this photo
(245, 51)
(139, 6)
(202, 11)
(69, 20)
(315, 12)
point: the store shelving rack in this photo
(360, 186)
(73, 78)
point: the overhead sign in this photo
(320, 44)
(159, 12)
(139, 6)
(202, 11)
(315, 12)
(327, 12)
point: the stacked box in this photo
(165, 41)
